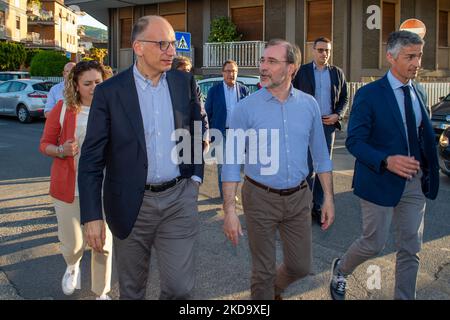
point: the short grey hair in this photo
(399, 39)
(140, 27)
(293, 53)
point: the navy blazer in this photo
(304, 81)
(216, 107)
(375, 131)
(115, 142)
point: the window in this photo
(249, 22)
(320, 18)
(43, 86)
(4, 86)
(125, 33)
(16, 86)
(388, 20)
(443, 29)
(18, 22)
(2, 18)
(175, 13)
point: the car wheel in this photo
(23, 114)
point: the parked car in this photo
(444, 151)
(440, 115)
(13, 75)
(24, 98)
(251, 82)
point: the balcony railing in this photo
(33, 37)
(43, 43)
(33, 10)
(44, 17)
(245, 53)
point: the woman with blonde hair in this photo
(64, 133)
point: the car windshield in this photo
(43, 86)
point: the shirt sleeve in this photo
(231, 169)
(51, 100)
(317, 142)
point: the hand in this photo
(71, 148)
(327, 218)
(330, 119)
(95, 232)
(205, 146)
(232, 227)
(406, 167)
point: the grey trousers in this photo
(264, 213)
(167, 221)
(407, 218)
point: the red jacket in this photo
(63, 172)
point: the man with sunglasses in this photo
(326, 83)
(149, 192)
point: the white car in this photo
(251, 82)
(24, 98)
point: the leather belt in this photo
(163, 186)
(281, 192)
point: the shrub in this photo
(48, 64)
(12, 56)
(30, 55)
(223, 30)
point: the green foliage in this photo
(48, 64)
(12, 56)
(30, 55)
(223, 30)
(96, 33)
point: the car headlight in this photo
(443, 141)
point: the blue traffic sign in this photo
(184, 41)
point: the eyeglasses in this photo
(163, 45)
(320, 50)
(271, 61)
(229, 71)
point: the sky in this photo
(87, 20)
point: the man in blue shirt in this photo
(275, 196)
(326, 83)
(56, 92)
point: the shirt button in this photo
(159, 133)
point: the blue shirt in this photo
(400, 97)
(293, 125)
(231, 98)
(323, 89)
(157, 114)
(55, 94)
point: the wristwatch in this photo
(60, 150)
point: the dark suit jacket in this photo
(375, 131)
(115, 141)
(304, 81)
(216, 106)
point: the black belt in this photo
(163, 186)
(281, 192)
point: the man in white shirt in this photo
(56, 93)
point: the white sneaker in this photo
(103, 297)
(71, 279)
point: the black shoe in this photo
(338, 282)
(316, 215)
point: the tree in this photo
(48, 64)
(30, 55)
(12, 56)
(223, 30)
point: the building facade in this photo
(357, 28)
(13, 20)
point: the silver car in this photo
(24, 98)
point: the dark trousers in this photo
(313, 179)
(167, 221)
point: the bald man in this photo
(56, 93)
(149, 197)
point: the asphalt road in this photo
(31, 266)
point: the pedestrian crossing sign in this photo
(183, 41)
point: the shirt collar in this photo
(266, 95)
(227, 87)
(315, 66)
(142, 81)
(395, 83)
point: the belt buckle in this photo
(285, 192)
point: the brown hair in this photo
(229, 62)
(71, 94)
(180, 61)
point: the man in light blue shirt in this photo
(56, 92)
(280, 123)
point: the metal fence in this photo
(52, 79)
(245, 53)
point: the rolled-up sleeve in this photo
(318, 144)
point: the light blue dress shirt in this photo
(157, 114)
(231, 98)
(323, 89)
(400, 97)
(299, 126)
(55, 94)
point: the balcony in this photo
(43, 43)
(245, 53)
(34, 38)
(33, 10)
(45, 18)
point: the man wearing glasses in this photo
(220, 103)
(326, 83)
(150, 200)
(278, 200)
